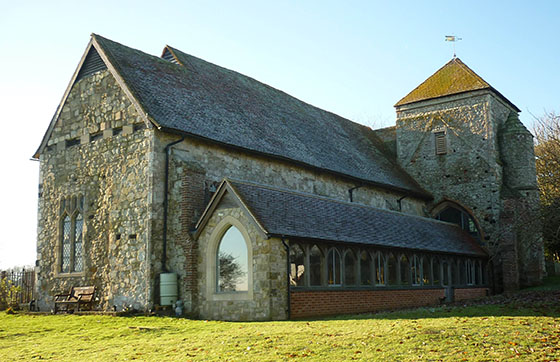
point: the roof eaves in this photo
(422, 194)
(54, 119)
(464, 67)
(210, 207)
(225, 186)
(479, 253)
(247, 209)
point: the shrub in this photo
(8, 292)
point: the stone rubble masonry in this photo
(196, 166)
(269, 296)
(472, 172)
(96, 151)
(111, 174)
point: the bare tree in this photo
(547, 152)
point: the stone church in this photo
(170, 178)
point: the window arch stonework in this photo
(455, 213)
(213, 267)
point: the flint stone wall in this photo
(197, 166)
(98, 149)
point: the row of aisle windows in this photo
(312, 265)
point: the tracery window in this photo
(436, 271)
(334, 271)
(462, 265)
(445, 273)
(380, 269)
(405, 270)
(478, 273)
(416, 270)
(392, 270)
(349, 268)
(297, 266)
(470, 272)
(426, 271)
(71, 235)
(232, 262)
(315, 266)
(456, 215)
(365, 268)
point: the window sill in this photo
(232, 296)
(70, 275)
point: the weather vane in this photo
(453, 39)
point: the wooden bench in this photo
(78, 298)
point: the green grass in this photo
(549, 283)
(475, 333)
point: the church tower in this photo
(462, 141)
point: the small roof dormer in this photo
(455, 77)
(169, 55)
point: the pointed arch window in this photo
(315, 266)
(349, 268)
(404, 270)
(232, 262)
(297, 266)
(453, 213)
(71, 235)
(334, 271)
(365, 268)
(380, 269)
(416, 270)
(392, 268)
(436, 271)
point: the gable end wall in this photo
(98, 149)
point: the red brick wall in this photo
(318, 303)
(470, 293)
(327, 302)
(192, 204)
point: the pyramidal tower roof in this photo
(453, 78)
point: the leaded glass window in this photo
(66, 244)
(71, 235)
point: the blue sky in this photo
(354, 58)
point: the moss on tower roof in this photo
(453, 78)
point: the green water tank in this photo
(168, 288)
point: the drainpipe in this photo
(399, 202)
(289, 309)
(351, 191)
(166, 204)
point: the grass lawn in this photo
(526, 327)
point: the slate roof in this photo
(202, 99)
(307, 216)
(455, 77)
